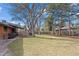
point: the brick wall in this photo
(3, 33)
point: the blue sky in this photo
(5, 15)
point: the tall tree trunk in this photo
(33, 31)
(59, 31)
(32, 28)
(53, 30)
(59, 28)
(69, 27)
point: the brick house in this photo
(8, 30)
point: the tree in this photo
(58, 10)
(28, 13)
(49, 23)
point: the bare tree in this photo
(29, 14)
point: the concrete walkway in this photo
(4, 51)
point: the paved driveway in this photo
(4, 51)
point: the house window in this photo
(5, 28)
(14, 30)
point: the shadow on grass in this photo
(16, 47)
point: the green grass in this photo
(16, 47)
(44, 45)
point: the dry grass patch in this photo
(45, 46)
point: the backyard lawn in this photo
(44, 45)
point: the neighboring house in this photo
(64, 30)
(8, 30)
